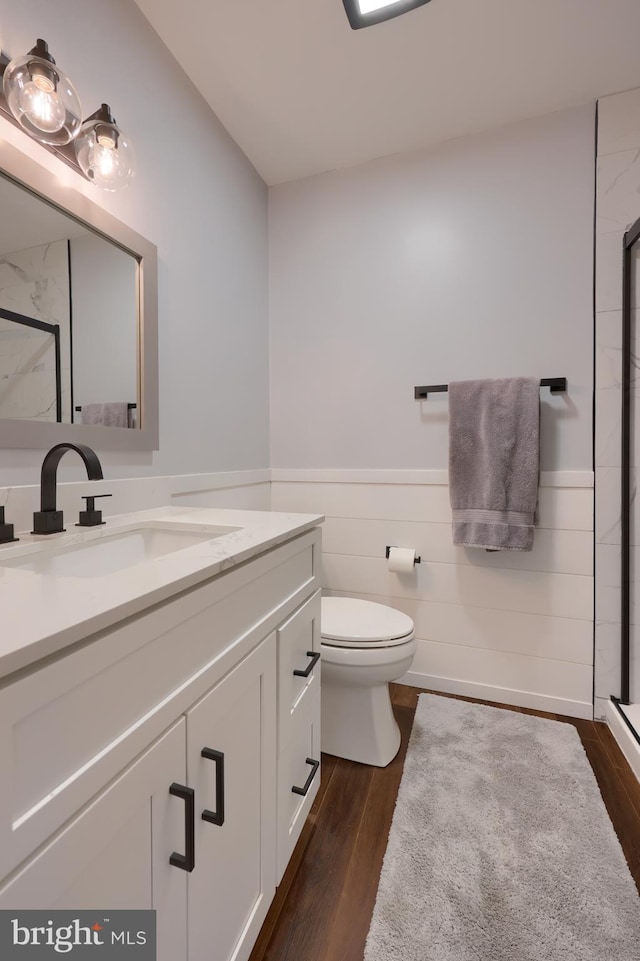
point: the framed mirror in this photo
(78, 318)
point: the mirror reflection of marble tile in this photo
(27, 373)
(35, 283)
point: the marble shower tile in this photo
(600, 708)
(634, 666)
(607, 501)
(607, 660)
(607, 584)
(609, 349)
(618, 191)
(608, 447)
(619, 122)
(635, 513)
(609, 270)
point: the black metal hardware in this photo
(6, 530)
(315, 657)
(630, 238)
(417, 560)
(307, 784)
(217, 816)
(129, 407)
(90, 517)
(187, 860)
(48, 520)
(557, 385)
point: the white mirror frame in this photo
(28, 174)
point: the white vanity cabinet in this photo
(115, 853)
(152, 766)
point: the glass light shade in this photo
(41, 98)
(104, 153)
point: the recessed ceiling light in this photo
(366, 6)
(364, 13)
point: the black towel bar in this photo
(557, 385)
(129, 406)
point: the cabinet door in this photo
(233, 882)
(115, 854)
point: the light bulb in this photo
(104, 160)
(42, 107)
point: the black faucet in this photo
(48, 520)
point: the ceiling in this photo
(302, 93)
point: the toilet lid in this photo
(349, 622)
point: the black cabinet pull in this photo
(307, 784)
(315, 657)
(217, 816)
(187, 860)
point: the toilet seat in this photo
(352, 623)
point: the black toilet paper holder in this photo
(416, 560)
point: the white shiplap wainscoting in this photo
(507, 626)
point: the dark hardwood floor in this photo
(322, 909)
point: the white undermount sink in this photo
(113, 552)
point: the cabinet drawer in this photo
(298, 780)
(298, 655)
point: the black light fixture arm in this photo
(41, 50)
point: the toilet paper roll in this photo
(401, 560)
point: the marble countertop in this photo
(42, 613)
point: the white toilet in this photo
(364, 646)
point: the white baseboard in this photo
(501, 695)
(625, 739)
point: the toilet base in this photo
(358, 723)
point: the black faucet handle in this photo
(90, 517)
(6, 530)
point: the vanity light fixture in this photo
(364, 13)
(104, 153)
(41, 97)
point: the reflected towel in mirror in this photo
(114, 414)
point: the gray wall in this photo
(201, 202)
(473, 260)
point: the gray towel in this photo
(114, 414)
(494, 428)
